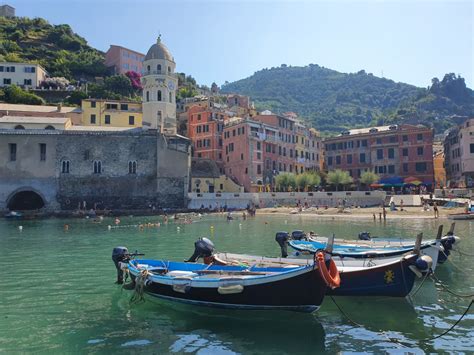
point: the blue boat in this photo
(285, 287)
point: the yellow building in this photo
(111, 113)
(206, 177)
(439, 170)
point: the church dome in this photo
(159, 51)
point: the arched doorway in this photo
(25, 200)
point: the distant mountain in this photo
(335, 101)
(57, 48)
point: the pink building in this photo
(459, 155)
(393, 152)
(123, 60)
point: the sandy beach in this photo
(368, 213)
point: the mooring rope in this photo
(396, 341)
(452, 263)
(448, 290)
(463, 253)
(413, 294)
(138, 294)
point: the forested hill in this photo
(334, 101)
(57, 48)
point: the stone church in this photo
(102, 167)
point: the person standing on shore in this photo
(435, 209)
(401, 205)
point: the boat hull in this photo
(303, 292)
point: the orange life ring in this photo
(331, 276)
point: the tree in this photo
(339, 177)
(119, 84)
(307, 180)
(285, 181)
(368, 178)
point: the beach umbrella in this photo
(412, 181)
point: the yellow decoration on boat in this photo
(389, 276)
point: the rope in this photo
(138, 295)
(452, 327)
(413, 294)
(448, 290)
(396, 341)
(462, 253)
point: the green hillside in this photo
(57, 48)
(334, 101)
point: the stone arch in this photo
(49, 127)
(19, 126)
(26, 198)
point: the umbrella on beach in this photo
(412, 181)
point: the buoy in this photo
(20, 228)
(109, 227)
(212, 227)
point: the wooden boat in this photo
(438, 249)
(461, 216)
(298, 287)
(386, 276)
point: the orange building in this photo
(123, 60)
(439, 170)
(205, 127)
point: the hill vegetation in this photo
(335, 101)
(58, 49)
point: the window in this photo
(30, 69)
(391, 153)
(132, 167)
(241, 156)
(199, 117)
(93, 119)
(97, 167)
(131, 120)
(7, 81)
(379, 140)
(171, 97)
(405, 167)
(159, 95)
(471, 147)
(42, 151)
(147, 96)
(158, 67)
(393, 139)
(259, 155)
(329, 160)
(338, 159)
(1, 68)
(391, 169)
(107, 119)
(65, 166)
(27, 82)
(364, 143)
(259, 146)
(405, 152)
(362, 158)
(349, 159)
(124, 107)
(379, 153)
(419, 137)
(405, 138)
(169, 70)
(259, 169)
(111, 106)
(420, 167)
(12, 151)
(419, 150)
(93, 104)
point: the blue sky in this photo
(406, 40)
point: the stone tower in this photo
(159, 89)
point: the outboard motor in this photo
(282, 240)
(364, 236)
(298, 235)
(203, 247)
(120, 255)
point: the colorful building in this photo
(112, 113)
(439, 170)
(459, 155)
(122, 60)
(205, 129)
(26, 75)
(207, 178)
(397, 152)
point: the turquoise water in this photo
(57, 293)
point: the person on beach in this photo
(401, 205)
(384, 212)
(435, 209)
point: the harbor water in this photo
(57, 292)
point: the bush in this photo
(15, 95)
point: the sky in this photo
(408, 41)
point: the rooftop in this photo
(37, 108)
(32, 119)
(127, 49)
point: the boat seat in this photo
(181, 274)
